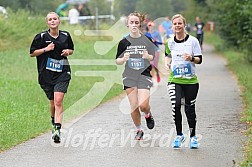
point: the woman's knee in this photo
(144, 107)
(58, 102)
(58, 99)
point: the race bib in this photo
(182, 70)
(54, 65)
(136, 63)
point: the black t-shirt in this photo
(136, 46)
(63, 41)
(199, 27)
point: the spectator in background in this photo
(167, 26)
(199, 28)
(156, 38)
(144, 25)
(73, 15)
(83, 11)
(61, 10)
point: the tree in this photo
(235, 25)
(103, 7)
(34, 6)
(179, 6)
(161, 8)
(126, 7)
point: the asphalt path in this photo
(105, 135)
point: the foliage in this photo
(161, 9)
(179, 6)
(103, 7)
(157, 10)
(126, 7)
(201, 2)
(235, 26)
(121, 7)
(34, 6)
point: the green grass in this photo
(24, 108)
(241, 67)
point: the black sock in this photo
(58, 125)
(192, 132)
(52, 120)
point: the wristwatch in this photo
(192, 59)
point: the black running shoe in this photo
(56, 136)
(150, 121)
(139, 135)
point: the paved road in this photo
(103, 137)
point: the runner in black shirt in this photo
(136, 51)
(199, 28)
(51, 49)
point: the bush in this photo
(235, 26)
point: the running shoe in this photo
(139, 135)
(53, 129)
(56, 136)
(179, 139)
(194, 144)
(150, 121)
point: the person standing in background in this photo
(61, 9)
(157, 40)
(199, 28)
(83, 11)
(73, 15)
(167, 26)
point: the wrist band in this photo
(192, 59)
(44, 50)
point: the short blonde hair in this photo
(52, 13)
(179, 16)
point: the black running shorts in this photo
(143, 82)
(50, 89)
